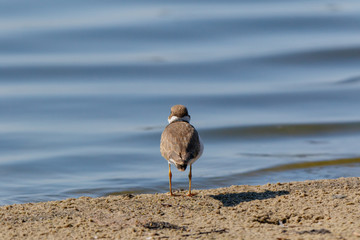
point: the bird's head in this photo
(179, 113)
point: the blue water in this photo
(86, 88)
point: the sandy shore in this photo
(325, 209)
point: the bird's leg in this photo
(170, 175)
(190, 176)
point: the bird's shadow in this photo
(233, 199)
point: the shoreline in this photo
(319, 209)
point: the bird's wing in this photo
(178, 141)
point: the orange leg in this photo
(190, 176)
(170, 176)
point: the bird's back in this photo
(180, 144)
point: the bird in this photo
(180, 143)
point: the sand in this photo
(324, 209)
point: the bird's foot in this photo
(191, 194)
(172, 194)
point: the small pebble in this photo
(338, 196)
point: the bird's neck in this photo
(179, 119)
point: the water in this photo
(85, 90)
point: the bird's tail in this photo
(181, 167)
(180, 163)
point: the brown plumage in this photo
(180, 144)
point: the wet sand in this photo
(324, 209)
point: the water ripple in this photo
(283, 130)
